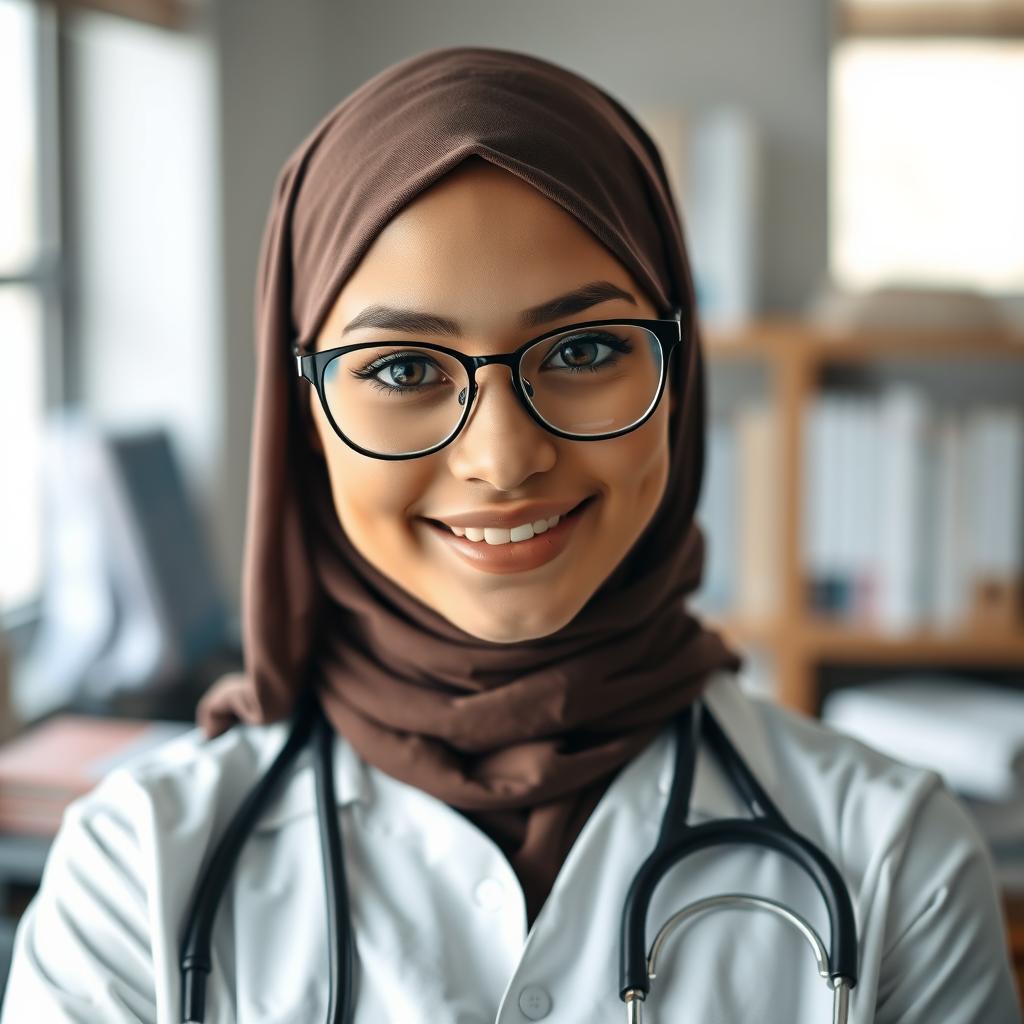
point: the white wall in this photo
(145, 234)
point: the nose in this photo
(500, 442)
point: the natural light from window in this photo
(21, 328)
(926, 157)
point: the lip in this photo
(508, 516)
(519, 556)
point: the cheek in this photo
(635, 467)
(372, 497)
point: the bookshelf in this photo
(795, 355)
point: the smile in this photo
(498, 550)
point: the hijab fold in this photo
(522, 738)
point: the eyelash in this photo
(369, 373)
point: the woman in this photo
(503, 702)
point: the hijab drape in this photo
(522, 738)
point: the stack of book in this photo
(50, 764)
(739, 509)
(970, 732)
(913, 512)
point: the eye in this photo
(401, 371)
(405, 372)
(582, 351)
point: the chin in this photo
(513, 629)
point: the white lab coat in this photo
(439, 914)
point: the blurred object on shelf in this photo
(50, 764)
(997, 604)
(970, 732)
(130, 601)
(719, 517)
(713, 159)
(899, 306)
(724, 213)
(914, 513)
(757, 463)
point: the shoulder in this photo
(99, 939)
(921, 875)
(853, 797)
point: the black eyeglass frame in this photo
(669, 332)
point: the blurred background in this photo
(850, 176)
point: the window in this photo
(926, 114)
(30, 267)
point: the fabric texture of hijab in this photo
(523, 738)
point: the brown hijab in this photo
(523, 738)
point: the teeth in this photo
(496, 535)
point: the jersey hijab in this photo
(523, 738)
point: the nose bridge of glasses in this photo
(507, 359)
(495, 368)
(488, 367)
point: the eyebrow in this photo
(394, 319)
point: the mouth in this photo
(514, 556)
(575, 510)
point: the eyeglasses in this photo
(586, 382)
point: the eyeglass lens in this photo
(399, 399)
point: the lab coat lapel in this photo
(714, 796)
(298, 795)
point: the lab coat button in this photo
(534, 1002)
(490, 894)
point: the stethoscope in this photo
(676, 840)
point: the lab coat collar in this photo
(713, 795)
(741, 717)
(298, 796)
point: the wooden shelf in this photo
(790, 339)
(852, 644)
(824, 640)
(795, 354)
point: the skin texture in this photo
(480, 246)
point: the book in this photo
(758, 555)
(902, 478)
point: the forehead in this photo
(479, 237)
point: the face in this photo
(478, 248)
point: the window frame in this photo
(993, 19)
(47, 274)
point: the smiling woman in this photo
(507, 723)
(496, 259)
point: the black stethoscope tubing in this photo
(196, 959)
(768, 828)
(676, 840)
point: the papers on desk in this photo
(46, 767)
(970, 732)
